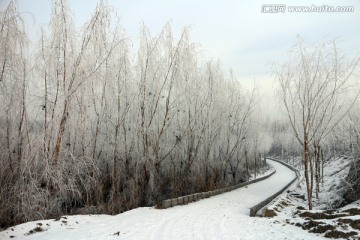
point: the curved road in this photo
(225, 216)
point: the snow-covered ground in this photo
(291, 206)
(224, 216)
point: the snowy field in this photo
(225, 216)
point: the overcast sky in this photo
(236, 31)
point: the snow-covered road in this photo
(225, 216)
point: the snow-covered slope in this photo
(225, 216)
(326, 219)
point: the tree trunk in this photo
(247, 166)
(317, 170)
(322, 168)
(311, 164)
(306, 172)
(60, 134)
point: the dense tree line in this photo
(91, 124)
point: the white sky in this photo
(236, 31)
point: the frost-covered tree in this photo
(14, 120)
(317, 86)
(97, 126)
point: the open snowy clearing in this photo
(225, 216)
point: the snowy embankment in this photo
(326, 219)
(225, 216)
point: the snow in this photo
(225, 216)
(335, 172)
(331, 189)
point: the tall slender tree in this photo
(318, 88)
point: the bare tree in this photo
(316, 86)
(14, 143)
